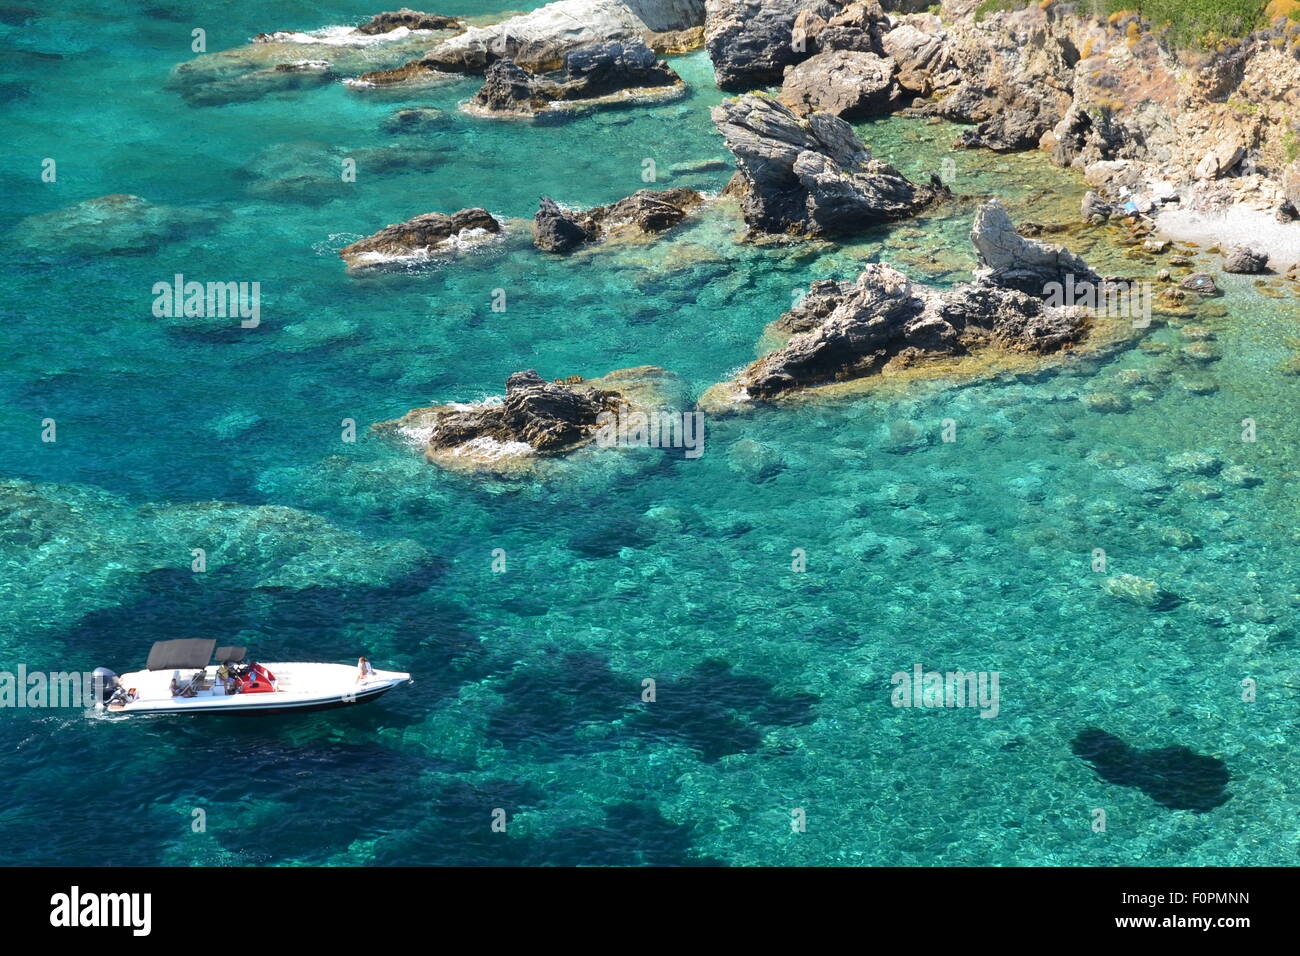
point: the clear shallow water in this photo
(773, 686)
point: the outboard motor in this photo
(105, 682)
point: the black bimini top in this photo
(230, 655)
(187, 652)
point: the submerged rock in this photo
(1140, 592)
(646, 212)
(603, 74)
(286, 61)
(417, 238)
(1008, 259)
(415, 119)
(116, 224)
(810, 176)
(1173, 777)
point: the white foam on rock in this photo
(342, 36)
(1236, 226)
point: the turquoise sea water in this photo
(773, 686)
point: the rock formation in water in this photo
(847, 330)
(287, 61)
(535, 417)
(883, 320)
(810, 176)
(1008, 259)
(1173, 777)
(418, 238)
(539, 40)
(610, 73)
(645, 212)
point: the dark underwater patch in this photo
(715, 710)
(546, 704)
(1173, 777)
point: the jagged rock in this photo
(1245, 261)
(810, 176)
(1016, 70)
(589, 75)
(846, 83)
(1201, 282)
(555, 231)
(850, 330)
(536, 417)
(1095, 209)
(418, 237)
(1008, 259)
(922, 57)
(538, 41)
(858, 27)
(647, 211)
(1286, 211)
(751, 42)
(411, 19)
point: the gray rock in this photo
(751, 42)
(588, 73)
(1201, 282)
(411, 19)
(1245, 261)
(423, 232)
(648, 211)
(846, 83)
(555, 231)
(920, 56)
(810, 176)
(1094, 208)
(1008, 259)
(850, 330)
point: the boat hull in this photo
(302, 688)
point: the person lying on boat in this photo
(364, 669)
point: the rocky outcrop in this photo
(850, 330)
(536, 418)
(920, 48)
(1016, 70)
(287, 61)
(411, 20)
(810, 176)
(751, 42)
(646, 212)
(846, 83)
(419, 238)
(604, 74)
(1009, 260)
(1245, 261)
(538, 41)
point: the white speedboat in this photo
(181, 677)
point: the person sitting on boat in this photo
(364, 669)
(223, 675)
(176, 683)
